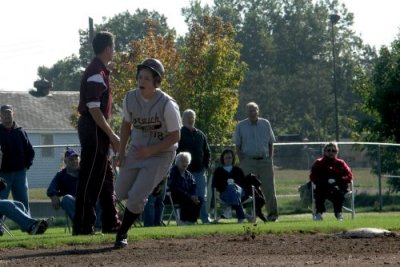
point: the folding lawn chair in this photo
(174, 208)
(4, 227)
(250, 200)
(349, 197)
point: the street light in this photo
(334, 19)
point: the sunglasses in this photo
(331, 150)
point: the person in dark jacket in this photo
(195, 142)
(64, 184)
(17, 157)
(331, 176)
(227, 180)
(183, 189)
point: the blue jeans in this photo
(15, 211)
(68, 205)
(17, 183)
(154, 209)
(232, 196)
(201, 191)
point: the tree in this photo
(380, 94)
(209, 76)
(153, 45)
(287, 46)
(65, 74)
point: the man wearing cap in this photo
(64, 184)
(96, 179)
(17, 157)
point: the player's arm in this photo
(125, 133)
(99, 119)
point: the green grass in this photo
(287, 224)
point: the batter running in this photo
(151, 118)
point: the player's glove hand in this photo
(331, 181)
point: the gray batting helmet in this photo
(153, 64)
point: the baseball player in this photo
(152, 120)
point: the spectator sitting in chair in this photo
(183, 190)
(331, 176)
(227, 180)
(16, 211)
(64, 185)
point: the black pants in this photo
(189, 211)
(96, 179)
(334, 194)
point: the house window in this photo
(47, 139)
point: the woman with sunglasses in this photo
(331, 176)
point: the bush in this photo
(394, 184)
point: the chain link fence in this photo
(375, 168)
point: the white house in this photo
(47, 121)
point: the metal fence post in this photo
(379, 169)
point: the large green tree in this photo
(203, 75)
(379, 89)
(287, 45)
(65, 74)
(209, 75)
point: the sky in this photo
(41, 32)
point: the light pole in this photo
(334, 19)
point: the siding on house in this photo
(44, 167)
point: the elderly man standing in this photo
(195, 142)
(254, 140)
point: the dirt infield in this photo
(263, 250)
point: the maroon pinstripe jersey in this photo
(95, 87)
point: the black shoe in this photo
(121, 241)
(272, 218)
(111, 230)
(261, 216)
(83, 231)
(39, 227)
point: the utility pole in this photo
(91, 34)
(334, 18)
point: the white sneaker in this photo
(339, 216)
(318, 217)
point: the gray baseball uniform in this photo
(151, 121)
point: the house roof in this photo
(47, 113)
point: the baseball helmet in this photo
(153, 64)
